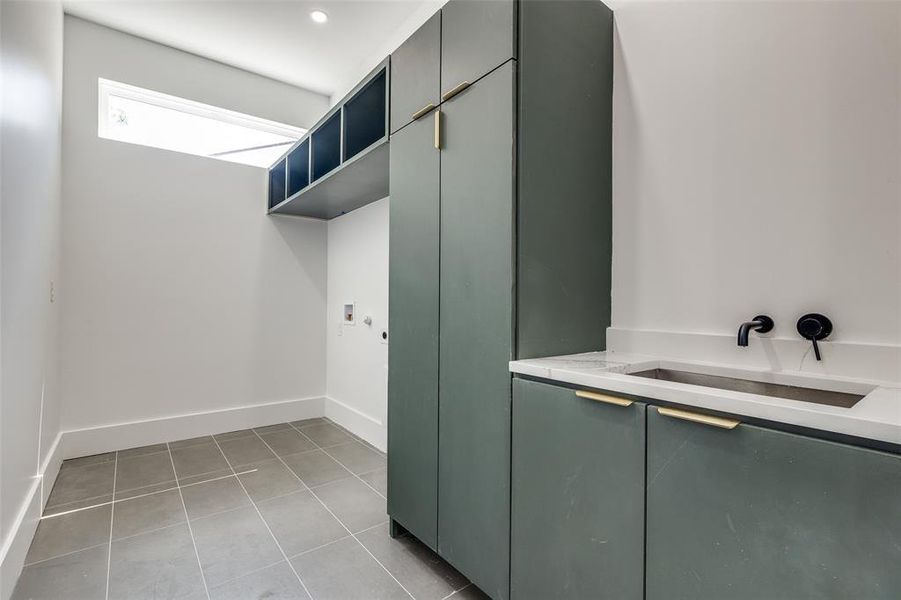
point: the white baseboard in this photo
(357, 422)
(18, 540)
(106, 438)
(841, 358)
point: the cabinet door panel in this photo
(756, 513)
(578, 496)
(564, 177)
(413, 318)
(476, 331)
(476, 37)
(416, 72)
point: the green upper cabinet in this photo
(564, 177)
(413, 315)
(416, 74)
(476, 317)
(476, 37)
(756, 513)
(578, 495)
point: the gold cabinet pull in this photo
(685, 415)
(423, 111)
(438, 129)
(454, 91)
(603, 398)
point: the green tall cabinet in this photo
(499, 249)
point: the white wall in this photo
(179, 294)
(423, 13)
(31, 54)
(357, 365)
(757, 150)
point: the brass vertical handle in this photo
(423, 111)
(685, 415)
(603, 398)
(455, 90)
(438, 129)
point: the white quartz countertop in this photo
(876, 417)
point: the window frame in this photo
(107, 87)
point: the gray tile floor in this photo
(295, 510)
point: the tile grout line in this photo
(455, 592)
(309, 489)
(362, 545)
(360, 479)
(112, 514)
(260, 514)
(263, 568)
(43, 560)
(325, 451)
(357, 438)
(321, 546)
(58, 507)
(156, 529)
(118, 500)
(180, 523)
(188, 522)
(142, 455)
(343, 537)
(353, 437)
(373, 471)
(128, 537)
(315, 495)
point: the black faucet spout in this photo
(760, 324)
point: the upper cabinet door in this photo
(415, 74)
(476, 37)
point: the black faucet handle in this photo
(814, 327)
(766, 324)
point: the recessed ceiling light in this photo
(319, 16)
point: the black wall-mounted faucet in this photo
(814, 327)
(760, 324)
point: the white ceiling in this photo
(275, 38)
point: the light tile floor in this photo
(295, 510)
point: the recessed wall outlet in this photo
(348, 314)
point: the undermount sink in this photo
(748, 386)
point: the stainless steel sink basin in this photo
(775, 390)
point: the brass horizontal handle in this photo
(454, 91)
(685, 415)
(603, 398)
(423, 111)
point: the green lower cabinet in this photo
(578, 495)
(761, 514)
